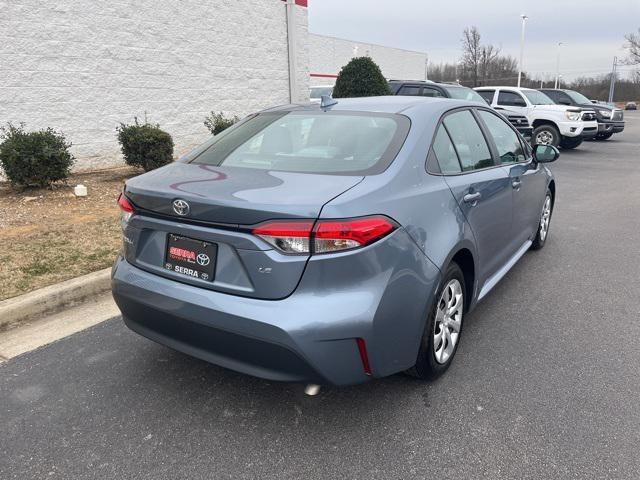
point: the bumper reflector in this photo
(364, 357)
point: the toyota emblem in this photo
(203, 259)
(181, 207)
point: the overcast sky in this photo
(592, 30)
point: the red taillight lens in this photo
(336, 235)
(286, 236)
(297, 236)
(125, 206)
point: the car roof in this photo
(385, 104)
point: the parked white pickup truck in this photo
(557, 125)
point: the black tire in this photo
(604, 136)
(541, 239)
(427, 367)
(550, 131)
(570, 142)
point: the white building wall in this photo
(83, 66)
(327, 55)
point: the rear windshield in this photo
(348, 143)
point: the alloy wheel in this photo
(544, 137)
(545, 218)
(448, 321)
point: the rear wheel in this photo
(570, 142)
(543, 225)
(443, 328)
(545, 135)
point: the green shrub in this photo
(361, 77)
(34, 159)
(145, 145)
(217, 122)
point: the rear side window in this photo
(409, 90)
(468, 140)
(347, 143)
(487, 95)
(506, 140)
(511, 99)
(445, 153)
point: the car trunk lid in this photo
(223, 203)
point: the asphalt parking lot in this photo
(546, 383)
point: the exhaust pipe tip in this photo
(312, 389)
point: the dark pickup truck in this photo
(610, 120)
(422, 88)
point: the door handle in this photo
(472, 198)
(516, 183)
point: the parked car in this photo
(423, 88)
(557, 125)
(610, 120)
(631, 106)
(351, 252)
(316, 93)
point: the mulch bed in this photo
(50, 235)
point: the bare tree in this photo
(472, 53)
(633, 45)
(488, 55)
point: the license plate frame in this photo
(190, 258)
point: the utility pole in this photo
(612, 85)
(541, 79)
(426, 67)
(524, 21)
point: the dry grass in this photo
(50, 235)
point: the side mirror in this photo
(545, 153)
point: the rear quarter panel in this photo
(420, 202)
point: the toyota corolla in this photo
(332, 243)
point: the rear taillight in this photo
(336, 235)
(302, 237)
(288, 237)
(125, 207)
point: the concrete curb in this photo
(53, 298)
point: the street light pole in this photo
(612, 84)
(426, 67)
(558, 65)
(524, 21)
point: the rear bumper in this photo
(306, 337)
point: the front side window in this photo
(511, 99)
(487, 95)
(552, 94)
(468, 140)
(506, 140)
(577, 97)
(431, 92)
(313, 142)
(537, 98)
(409, 90)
